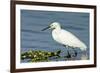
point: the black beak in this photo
(45, 28)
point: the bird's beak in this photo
(45, 28)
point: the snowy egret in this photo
(65, 38)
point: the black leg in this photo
(75, 53)
(68, 55)
(64, 46)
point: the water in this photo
(32, 22)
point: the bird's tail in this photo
(84, 48)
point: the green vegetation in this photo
(39, 55)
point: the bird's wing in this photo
(67, 38)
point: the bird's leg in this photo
(64, 46)
(68, 54)
(75, 53)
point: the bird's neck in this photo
(58, 28)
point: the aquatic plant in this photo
(39, 55)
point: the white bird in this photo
(65, 38)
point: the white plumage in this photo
(64, 37)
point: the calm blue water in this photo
(32, 22)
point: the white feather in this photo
(65, 37)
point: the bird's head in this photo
(52, 26)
